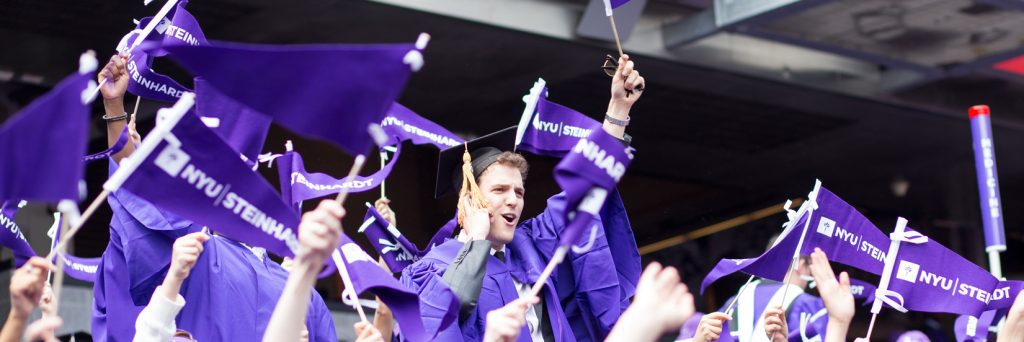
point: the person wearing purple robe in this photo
(232, 289)
(497, 258)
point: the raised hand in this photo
(504, 324)
(116, 75)
(836, 294)
(185, 253)
(710, 328)
(320, 232)
(27, 286)
(365, 332)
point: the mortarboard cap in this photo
(483, 150)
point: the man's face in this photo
(502, 186)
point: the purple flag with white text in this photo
(193, 173)
(244, 129)
(554, 129)
(11, 235)
(41, 147)
(843, 233)
(299, 185)
(402, 124)
(330, 91)
(932, 278)
(397, 251)
(587, 174)
(179, 27)
(367, 275)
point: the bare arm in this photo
(626, 85)
(319, 235)
(116, 74)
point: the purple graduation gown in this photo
(590, 290)
(229, 295)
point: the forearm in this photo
(171, 287)
(383, 320)
(286, 323)
(14, 327)
(465, 274)
(836, 330)
(618, 111)
(114, 108)
(632, 326)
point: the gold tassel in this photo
(470, 189)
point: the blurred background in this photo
(743, 110)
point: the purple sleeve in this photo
(146, 237)
(807, 318)
(319, 321)
(425, 277)
(597, 287)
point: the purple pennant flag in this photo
(304, 185)
(402, 124)
(344, 88)
(244, 129)
(843, 233)
(83, 269)
(397, 251)
(41, 147)
(367, 275)
(931, 278)
(609, 5)
(587, 174)
(988, 179)
(181, 29)
(11, 235)
(119, 145)
(185, 168)
(550, 129)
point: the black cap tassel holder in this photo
(470, 190)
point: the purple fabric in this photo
(837, 228)
(344, 88)
(988, 182)
(181, 29)
(932, 278)
(304, 185)
(367, 275)
(244, 129)
(11, 235)
(122, 140)
(204, 181)
(443, 234)
(980, 326)
(42, 145)
(397, 251)
(83, 269)
(554, 129)
(616, 3)
(402, 124)
(596, 162)
(862, 290)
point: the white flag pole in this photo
(812, 204)
(883, 285)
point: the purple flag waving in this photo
(402, 124)
(11, 235)
(244, 129)
(185, 168)
(843, 233)
(397, 251)
(609, 5)
(344, 88)
(587, 174)
(302, 185)
(404, 303)
(122, 141)
(929, 277)
(550, 129)
(41, 147)
(181, 28)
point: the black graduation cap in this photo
(483, 151)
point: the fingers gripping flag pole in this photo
(160, 15)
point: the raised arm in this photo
(662, 304)
(836, 294)
(627, 86)
(27, 286)
(319, 235)
(116, 74)
(156, 322)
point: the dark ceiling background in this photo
(712, 145)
